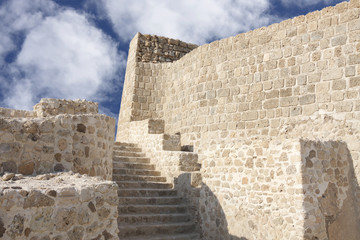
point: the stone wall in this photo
(51, 107)
(155, 49)
(254, 106)
(80, 143)
(14, 113)
(142, 92)
(58, 206)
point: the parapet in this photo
(51, 107)
(60, 135)
(58, 206)
(155, 49)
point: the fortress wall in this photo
(254, 106)
(79, 143)
(143, 86)
(232, 96)
(58, 206)
(156, 49)
(12, 113)
(52, 107)
(128, 98)
(251, 83)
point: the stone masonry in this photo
(273, 117)
(255, 136)
(41, 198)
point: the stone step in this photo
(197, 167)
(128, 154)
(131, 159)
(127, 149)
(186, 236)
(152, 218)
(123, 144)
(149, 209)
(147, 192)
(151, 185)
(132, 165)
(122, 177)
(141, 172)
(172, 200)
(145, 230)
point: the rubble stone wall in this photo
(152, 48)
(51, 107)
(274, 117)
(12, 113)
(58, 206)
(80, 143)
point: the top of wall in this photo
(52, 107)
(14, 113)
(155, 49)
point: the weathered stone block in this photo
(270, 104)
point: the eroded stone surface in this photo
(54, 206)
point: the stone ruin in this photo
(255, 136)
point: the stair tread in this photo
(192, 236)
(144, 165)
(165, 197)
(139, 179)
(132, 175)
(156, 224)
(153, 214)
(148, 189)
(152, 205)
(144, 170)
(161, 183)
(152, 208)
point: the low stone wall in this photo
(80, 143)
(58, 206)
(14, 113)
(51, 107)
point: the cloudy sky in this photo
(77, 48)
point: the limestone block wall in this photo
(143, 89)
(253, 82)
(58, 206)
(80, 143)
(254, 106)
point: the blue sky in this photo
(78, 48)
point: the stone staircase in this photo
(149, 208)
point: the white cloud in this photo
(20, 16)
(193, 21)
(63, 56)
